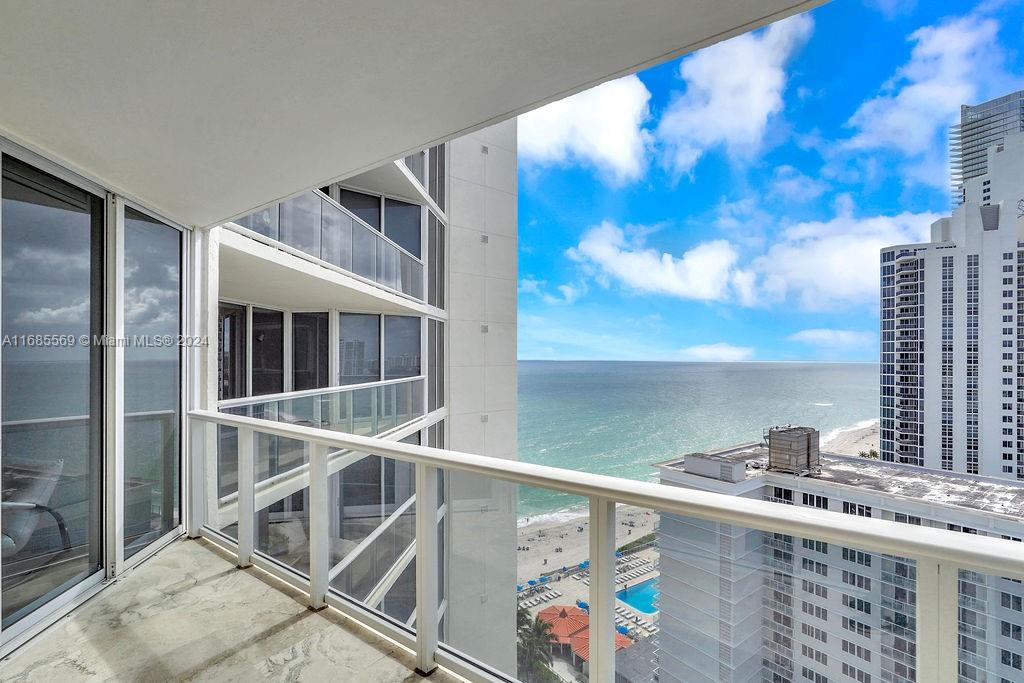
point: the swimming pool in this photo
(641, 597)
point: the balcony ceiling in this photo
(206, 110)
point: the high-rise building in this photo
(742, 605)
(981, 127)
(952, 331)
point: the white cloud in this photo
(601, 127)
(829, 339)
(893, 8)
(958, 61)
(720, 352)
(793, 185)
(703, 272)
(733, 88)
(825, 264)
(566, 294)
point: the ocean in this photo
(618, 418)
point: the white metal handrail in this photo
(939, 553)
(284, 396)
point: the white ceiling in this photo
(205, 110)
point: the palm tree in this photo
(534, 648)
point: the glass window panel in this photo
(336, 236)
(402, 224)
(364, 206)
(152, 380)
(401, 346)
(52, 281)
(360, 348)
(267, 352)
(231, 349)
(416, 163)
(310, 346)
(264, 221)
(300, 223)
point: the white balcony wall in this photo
(482, 391)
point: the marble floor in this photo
(188, 614)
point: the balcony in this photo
(935, 555)
(316, 226)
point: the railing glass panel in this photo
(317, 226)
(990, 622)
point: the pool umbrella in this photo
(519, 587)
(532, 582)
(622, 629)
(543, 579)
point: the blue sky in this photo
(729, 205)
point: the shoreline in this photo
(562, 536)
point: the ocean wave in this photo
(822, 405)
(564, 515)
(834, 434)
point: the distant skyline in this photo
(730, 205)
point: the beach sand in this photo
(852, 440)
(543, 537)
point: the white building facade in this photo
(952, 331)
(740, 604)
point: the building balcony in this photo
(232, 604)
(315, 226)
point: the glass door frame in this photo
(111, 473)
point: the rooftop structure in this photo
(981, 126)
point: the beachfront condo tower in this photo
(952, 330)
(981, 126)
(741, 605)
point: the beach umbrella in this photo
(543, 579)
(583, 605)
(618, 553)
(532, 582)
(622, 629)
(519, 586)
(583, 565)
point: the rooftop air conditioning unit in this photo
(794, 450)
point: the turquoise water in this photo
(619, 418)
(641, 597)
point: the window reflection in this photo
(267, 352)
(360, 348)
(401, 346)
(152, 380)
(51, 285)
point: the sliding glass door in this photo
(62, 381)
(152, 379)
(52, 387)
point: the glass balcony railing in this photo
(315, 225)
(646, 580)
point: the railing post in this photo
(937, 620)
(602, 590)
(319, 526)
(197, 458)
(426, 568)
(246, 496)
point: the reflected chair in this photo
(26, 498)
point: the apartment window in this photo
(402, 223)
(1011, 630)
(856, 674)
(1011, 659)
(365, 206)
(814, 588)
(856, 603)
(856, 509)
(310, 351)
(816, 546)
(813, 676)
(857, 627)
(856, 650)
(401, 346)
(435, 261)
(267, 352)
(782, 494)
(231, 350)
(1010, 601)
(435, 364)
(814, 610)
(816, 655)
(52, 262)
(860, 557)
(815, 501)
(359, 355)
(812, 566)
(854, 579)
(814, 632)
